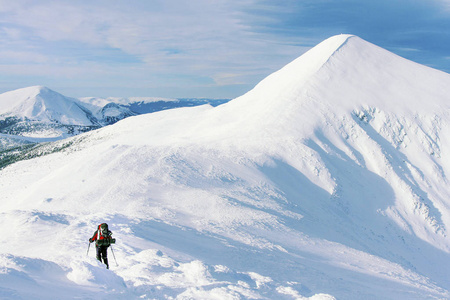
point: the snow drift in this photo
(328, 179)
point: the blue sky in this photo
(197, 48)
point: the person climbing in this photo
(102, 238)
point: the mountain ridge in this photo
(38, 114)
(306, 186)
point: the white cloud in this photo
(187, 37)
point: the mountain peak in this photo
(340, 75)
(334, 43)
(39, 88)
(42, 104)
(24, 92)
(300, 69)
(297, 73)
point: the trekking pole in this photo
(114, 256)
(87, 253)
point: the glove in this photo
(90, 240)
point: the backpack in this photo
(104, 236)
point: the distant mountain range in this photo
(39, 114)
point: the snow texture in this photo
(328, 180)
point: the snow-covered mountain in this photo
(328, 180)
(37, 114)
(42, 104)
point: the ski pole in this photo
(88, 249)
(114, 256)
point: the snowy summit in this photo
(42, 104)
(328, 180)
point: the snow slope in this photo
(328, 180)
(114, 108)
